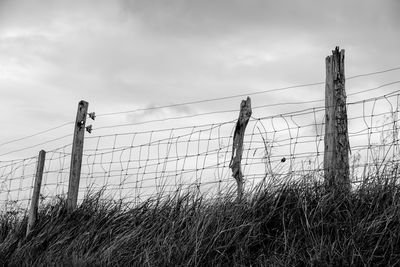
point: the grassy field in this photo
(294, 225)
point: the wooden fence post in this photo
(237, 145)
(336, 155)
(76, 156)
(36, 192)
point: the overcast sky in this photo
(123, 55)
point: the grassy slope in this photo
(291, 226)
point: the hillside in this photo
(294, 225)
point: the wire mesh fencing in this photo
(131, 165)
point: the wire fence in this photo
(135, 165)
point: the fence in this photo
(135, 165)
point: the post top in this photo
(335, 52)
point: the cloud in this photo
(224, 17)
(358, 25)
(151, 112)
(122, 55)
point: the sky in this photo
(124, 55)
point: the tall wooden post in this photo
(336, 156)
(76, 156)
(36, 192)
(237, 146)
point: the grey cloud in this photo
(153, 112)
(292, 30)
(222, 17)
(152, 108)
(126, 54)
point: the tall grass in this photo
(293, 225)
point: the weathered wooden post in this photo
(336, 156)
(76, 156)
(36, 192)
(237, 146)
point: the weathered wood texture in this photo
(336, 156)
(36, 192)
(76, 156)
(237, 146)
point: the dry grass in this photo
(291, 226)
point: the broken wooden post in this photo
(76, 156)
(237, 146)
(36, 192)
(336, 155)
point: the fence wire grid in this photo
(135, 165)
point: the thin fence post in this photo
(36, 192)
(237, 145)
(336, 154)
(76, 155)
